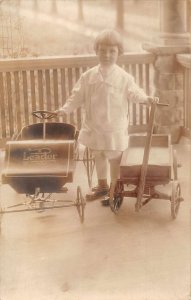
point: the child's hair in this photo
(109, 37)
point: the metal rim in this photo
(175, 199)
(115, 196)
(89, 163)
(175, 165)
(80, 204)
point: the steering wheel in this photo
(44, 114)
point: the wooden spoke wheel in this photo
(175, 199)
(175, 165)
(116, 196)
(89, 164)
(80, 204)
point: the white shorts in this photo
(109, 154)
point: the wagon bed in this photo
(159, 163)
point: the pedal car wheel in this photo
(80, 204)
(175, 199)
(116, 196)
(175, 165)
(89, 164)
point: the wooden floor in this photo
(130, 256)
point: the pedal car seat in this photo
(58, 131)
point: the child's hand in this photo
(58, 112)
(152, 100)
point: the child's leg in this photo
(114, 160)
(101, 164)
(114, 169)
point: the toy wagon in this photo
(149, 162)
(40, 161)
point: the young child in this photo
(104, 92)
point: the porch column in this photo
(173, 22)
(173, 38)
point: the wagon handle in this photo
(162, 104)
(157, 103)
(144, 166)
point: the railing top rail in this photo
(184, 60)
(52, 62)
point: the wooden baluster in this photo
(63, 91)
(70, 86)
(25, 97)
(79, 110)
(33, 96)
(18, 101)
(147, 78)
(48, 90)
(40, 90)
(55, 89)
(141, 86)
(187, 105)
(63, 86)
(134, 106)
(2, 106)
(10, 104)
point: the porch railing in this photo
(45, 83)
(185, 61)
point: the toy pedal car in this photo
(41, 161)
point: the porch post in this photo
(172, 39)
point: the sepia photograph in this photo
(95, 149)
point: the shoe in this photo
(105, 202)
(97, 193)
(63, 189)
(98, 188)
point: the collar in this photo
(112, 79)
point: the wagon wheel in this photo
(44, 114)
(116, 196)
(175, 165)
(89, 163)
(80, 204)
(175, 199)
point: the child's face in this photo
(107, 54)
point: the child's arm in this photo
(75, 100)
(136, 94)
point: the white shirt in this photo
(105, 100)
